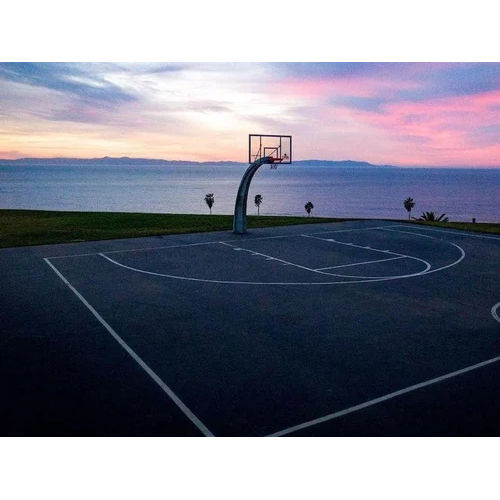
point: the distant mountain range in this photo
(339, 163)
(125, 160)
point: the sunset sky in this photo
(442, 114)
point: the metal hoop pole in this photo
(240, 207)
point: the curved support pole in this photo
(240, 207)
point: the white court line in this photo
(270, 257)
(348, 230)
(133, 250)
(166, 247)
(381, 399)
(259, 283)
(166, 389)
(313, 283)
(462, 252)
(448, 231)
(408, 232)
(359, 263)
(258, 238)
(291, 235)
(329, 240)
(494, 311)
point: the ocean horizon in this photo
(336, 191)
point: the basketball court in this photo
(356, 328)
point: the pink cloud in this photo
(435, 131)
(341, 86)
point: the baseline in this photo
(290, 235)
(349, 230)
(133, 250)
(448, 231)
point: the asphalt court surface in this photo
(358, 328)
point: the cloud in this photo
(313, 70)
(385, 82)
(361, 102)
(444, 129)
(78, 80)
(454, 80)
(165, 68)
(383, 112)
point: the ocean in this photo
(368, 192)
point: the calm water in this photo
(341, 192)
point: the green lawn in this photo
(37, 227)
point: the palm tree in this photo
(210, 200)
(409, 204)
(308, 206)
(258, 201)
(431, 217)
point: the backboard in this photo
(278, 148)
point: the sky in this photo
(407, 114)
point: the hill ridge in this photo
(126, 160)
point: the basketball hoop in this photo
(274, 162)
(262, 149)
(272, 148)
